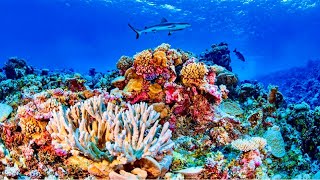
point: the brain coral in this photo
(193, 74)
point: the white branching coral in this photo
(110, 132)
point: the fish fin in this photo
(177, 30)
(164, 20)
(135, 30)
(235, 50)
(169, 34)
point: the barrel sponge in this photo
(275, 141)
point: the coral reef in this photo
(162, 114)
(219, 54)
(299, 84)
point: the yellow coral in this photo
(160, 58)
(249, 144)
(155, 91)
(134, 85)
(162, 109)
(193, 74)
(143, 58)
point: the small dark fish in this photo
(239, 55)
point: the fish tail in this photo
(135, 30)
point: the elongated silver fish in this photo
(163, 26)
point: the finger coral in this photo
(110, 132)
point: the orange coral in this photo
(155, 92)
(273, 90)
(193, 74)
(88, 94)
(134, 85)
(161, 108)
(160, 58)
(130, 73)
(143, 58)
(175, 57)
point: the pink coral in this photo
(249, 161)
(28, 153)
(213, 92)
(61, 152)
(58, 92)
(216, 167)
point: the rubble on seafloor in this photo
(162, 114)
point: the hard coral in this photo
(134, 85)
(193, 74)
(124, 63)
(218, 54)
(16, 68)
(155, 93)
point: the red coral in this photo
(143, 96)
(211, 76)
(201, 110)
(9, 135)
(76, 84)
(172, 123)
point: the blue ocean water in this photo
(78, 34)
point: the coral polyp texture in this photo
(162, 114)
